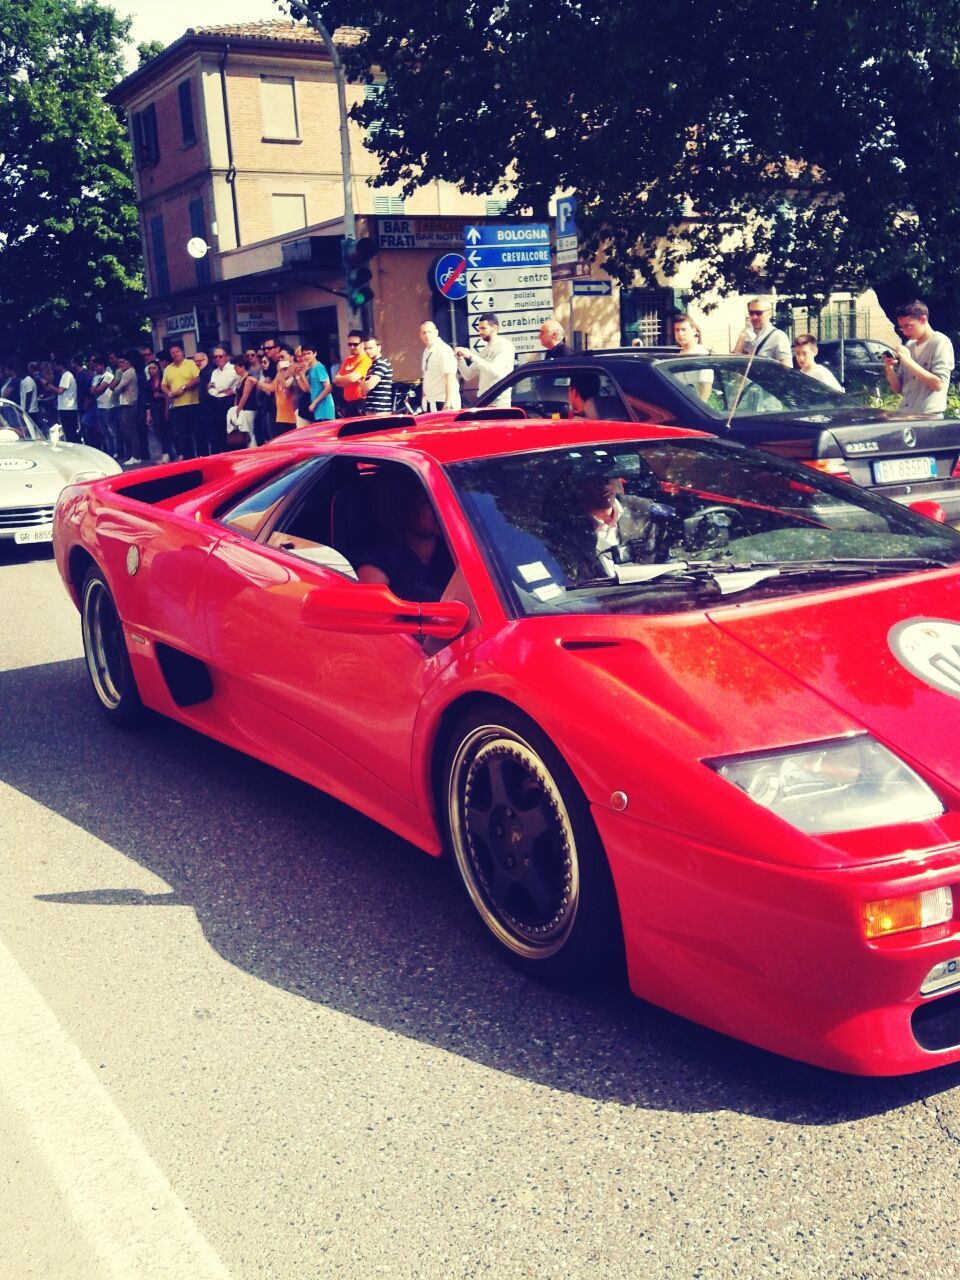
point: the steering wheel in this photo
(712, 527)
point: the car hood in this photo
(653, 698)
(33, 461)
(849, 649)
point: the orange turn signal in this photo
(912, 911)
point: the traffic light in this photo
(356, 255)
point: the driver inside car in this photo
(413, 560)
(624, 527)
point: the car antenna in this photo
(736, 399)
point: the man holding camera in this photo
(921, 367)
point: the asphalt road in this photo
(246, 1033)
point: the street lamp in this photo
(311, 15)
(197, 247)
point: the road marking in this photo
(119, 1198)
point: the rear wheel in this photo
(527, 850)
(105, 649)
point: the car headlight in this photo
(846, 785)
(87, 475)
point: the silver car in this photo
(33, 470)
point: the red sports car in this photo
(669, 702)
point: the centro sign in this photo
(930, 649)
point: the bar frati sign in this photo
(420, 233)
(255, 312)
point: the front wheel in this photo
(105, 649)
(527, 850)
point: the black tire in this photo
(105, 649)
(527, 850)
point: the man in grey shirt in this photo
(760, 338)
(921, 367)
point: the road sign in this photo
(593, 288)
(516, 321)
(566, 217)
(504, 278)
(511, 300)
(523, 343)
(566, 230)
(447, 276)
(508, 274)
(512, 256)
(566, 270)
(506, 236)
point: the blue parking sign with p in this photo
(566, 216)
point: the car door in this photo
(335, 707)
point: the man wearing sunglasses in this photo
(761, 338)
(349, 377)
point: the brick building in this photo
(235, 135)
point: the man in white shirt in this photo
(805, 353)
(105, 398)
(64, 385)
(493, 360)
(440, 388)
(221, 395)
(760, 338)
(920, 368)
(29, 392)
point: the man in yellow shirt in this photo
(180, 385)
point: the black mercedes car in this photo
(759, 403)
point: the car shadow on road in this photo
(308, 895)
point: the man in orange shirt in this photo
(351, 374)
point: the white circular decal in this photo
(133, 560)
(930, 648)
(16, 464)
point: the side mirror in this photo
(932, 510)
(360, 608)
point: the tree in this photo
(69, 243)
(147, 50)
(814, 144)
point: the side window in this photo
(609, 403)
(146, 145)
(249, 515)
(188, 132)
(542, 395)
(546, 395)
(278, 100)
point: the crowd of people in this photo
(141, 405)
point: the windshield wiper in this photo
(838, 564)
(730, 576)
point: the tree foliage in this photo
(815, 143)
(147, 50)
(69, 244)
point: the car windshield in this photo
(749, 388)
(673, 525)
(15, 424)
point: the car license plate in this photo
(42, 533)
(892, 470)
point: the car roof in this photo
(464, 441)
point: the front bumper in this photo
(776, 956)
(27, 524)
